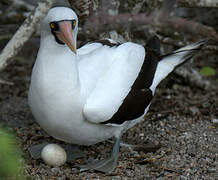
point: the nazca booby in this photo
(87, 95)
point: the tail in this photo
(170, 61)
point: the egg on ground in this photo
(54, 155)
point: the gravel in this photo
(189, 144)
(182, 120)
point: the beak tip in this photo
(72, 48)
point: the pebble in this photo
(212, 170)
(215, 121)
(187, 135)
(142, 134)
(55, 170)
(194, 110)
(75, 170)
(183, 178)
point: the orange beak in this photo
(66, 35)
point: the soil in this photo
(182, 120)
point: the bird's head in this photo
(62, 24)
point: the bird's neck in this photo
(58, 67)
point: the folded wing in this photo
(115, 84)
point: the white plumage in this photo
(73, 93)
(111, 89)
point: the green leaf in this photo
(207, 71)
(10, 157)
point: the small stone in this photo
(75, 170)
(183, 177)
(215, 121)
(212, 170)
(141, 134)
(194, 110)
(188, 135)
(55, 170)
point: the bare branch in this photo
(212, 48)
(198, 3)
(24, 33)
(6, 82)
(183, 25)
(194, 77)
(103, 21)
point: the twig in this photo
(212, 48)
(6, 82)
(138, 6)
(171, 41)
(24, 33)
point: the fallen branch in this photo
(193, 77)
(198, 3)
(24, 33)
(190, 27)
(212, 48)
(103, 21)
(6, 82)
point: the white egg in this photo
(54, 155)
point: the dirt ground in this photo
(181, 119)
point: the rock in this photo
(215, 121)
(194, 110)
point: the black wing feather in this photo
(140, 95)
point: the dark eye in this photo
(54, 26)
(73, 24)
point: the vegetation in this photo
(11, 162)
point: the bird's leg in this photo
(35, 150)
(106, 165)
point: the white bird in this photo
(88, 95)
